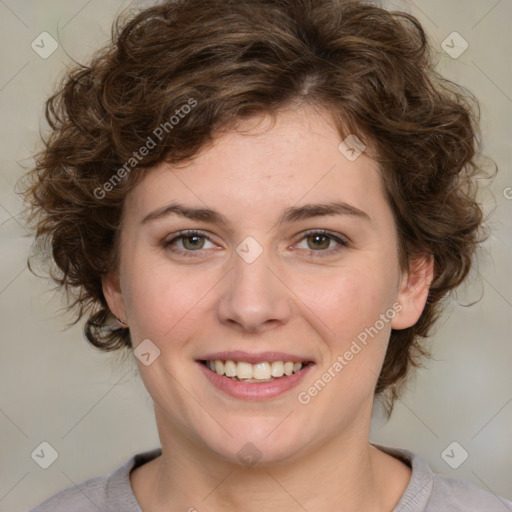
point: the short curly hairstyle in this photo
(176, 74)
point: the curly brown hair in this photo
(228, 60)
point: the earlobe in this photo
(113, 296)
(413, 292)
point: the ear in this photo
(112, 292)
(413, 291)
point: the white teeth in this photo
(219, 367)
(288, 368)
(243, 370)
(263, 371)
(230, 369)
(277, 369)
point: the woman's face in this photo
(293, 259)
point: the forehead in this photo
(264, 165)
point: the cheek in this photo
(163, 300)
(148, 290)
(351, 299)
(352, 306)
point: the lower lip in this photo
(255, 390)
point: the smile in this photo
(261, 376)
(264, 371)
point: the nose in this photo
(254, 299)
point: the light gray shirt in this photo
(426, 492)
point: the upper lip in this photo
(255, 358)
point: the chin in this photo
(258, 443)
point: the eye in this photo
(190, 241)
(320, 242)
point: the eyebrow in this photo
(292, 214)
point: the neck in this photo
(345, 470)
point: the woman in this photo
(267, 202)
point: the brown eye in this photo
(317, 241)
(188, 242)
(192, 242)
(322, 242)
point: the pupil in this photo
(317, 237)
(193, 245)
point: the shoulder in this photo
(86, 496)
(108, 493)
(431, 492)
(452, 494)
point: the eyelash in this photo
(320, 253)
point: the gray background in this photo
(93, 409)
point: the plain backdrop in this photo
(92, 408)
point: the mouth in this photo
(261, 372)
(260, 376)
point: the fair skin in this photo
(308, 296)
